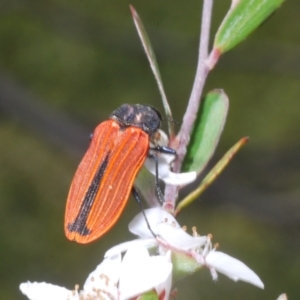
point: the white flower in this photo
(198, 251)
(165, 173)
(100, 284)
(114, 278)
(180, 254)
(164, 164)
(164, 225)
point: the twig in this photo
(183, 137)
(200, 78)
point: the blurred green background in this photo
(66, 65)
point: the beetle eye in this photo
(91, 136)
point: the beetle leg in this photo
(159, 193)
(136, 195)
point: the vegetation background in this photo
(66, 65)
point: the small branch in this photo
(200, 78)
(183, 137)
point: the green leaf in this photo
(154, 66)
(207, 130)
(243, 17)
(151, 295)
(183, 265)
(212, 175)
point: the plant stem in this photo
(183, 137)
(200, 78)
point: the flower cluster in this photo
(175, 253)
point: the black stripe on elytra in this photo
(79, 225)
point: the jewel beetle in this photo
(104, 178)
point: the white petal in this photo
(104, 278)
(232, 267)
(282, 297)
(166, 285)
(164, 225)
(141, 273)
(47, 291)
(155, 216)
(165, 173)
(147, 243)
(178, 238)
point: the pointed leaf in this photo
(207, 130)
(212, 175)
(154, 66)
(243, 17)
